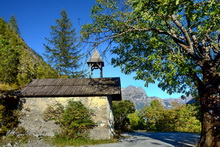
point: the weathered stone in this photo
(34, 107)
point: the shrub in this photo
(121, 110)
(8, 114)
(8, 120)
(74, 119)
(137, 121)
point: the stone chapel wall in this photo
(33, 108)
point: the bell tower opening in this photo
(95, 62)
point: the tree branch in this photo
(197, 80)
(184, 31)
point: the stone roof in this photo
(95, 58)
(73, 87)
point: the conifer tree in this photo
(62, 48)
(13, 24)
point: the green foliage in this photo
(181, 118)
(5, 88)
(8, 108)
(19, 64)
(54, 112)
(75, 119)
(33, 67)
(121, 110)
(137, 121)
(8, 119)
(154, 115)
(10, 61)
(159, 40)
(62, 48)
(13, 24)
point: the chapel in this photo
(96, 94)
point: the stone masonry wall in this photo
(34, 124)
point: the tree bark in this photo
(210, 135)
(210, 108)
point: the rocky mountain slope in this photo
(140, 99)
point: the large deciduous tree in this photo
(174, 42)
(62, 49)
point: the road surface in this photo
(145, 139)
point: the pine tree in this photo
(13, 24)
(62, 48)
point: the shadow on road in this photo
(174, 139)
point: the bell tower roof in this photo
(96, 58)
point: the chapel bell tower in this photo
(95, 62)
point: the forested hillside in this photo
(19, 63)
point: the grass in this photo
(62, 141)
(13, 140)
(55, 141)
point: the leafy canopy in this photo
(165, 40)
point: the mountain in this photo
(138, 96)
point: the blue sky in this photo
(35, 17)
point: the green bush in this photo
(8, 120)
(121, 110)
(8, 114)
(137, 122)
(74, 119)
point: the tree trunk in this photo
(210, 108)
(209, 92)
